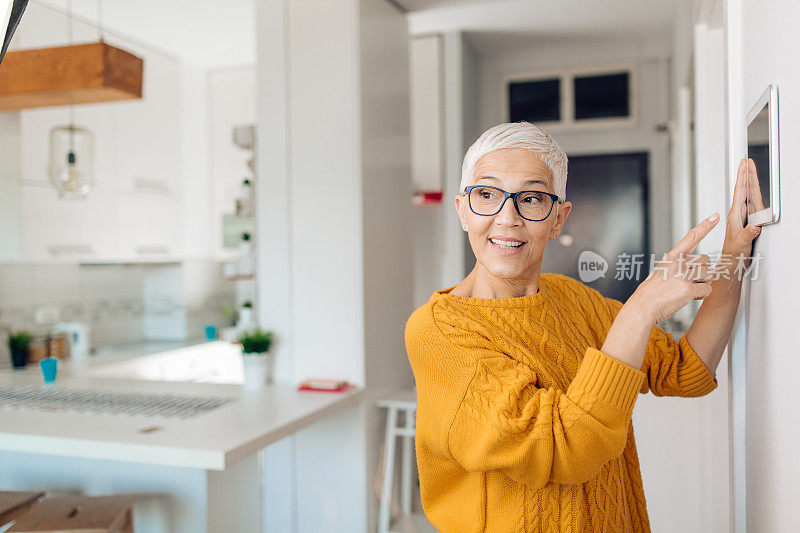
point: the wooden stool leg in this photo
(388, 471)
(127, 527)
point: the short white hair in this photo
(518, 136)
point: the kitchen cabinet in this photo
(58, 230)
(134, 212)
(148, 227)
(54, 229)
(146, 134)
(166, 169)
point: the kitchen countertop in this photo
(109, 354)
(212, 440)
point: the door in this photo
(610, 208)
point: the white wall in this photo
(471, 127)
(233, 104)
(386, 190)
(334, 214)
(9, 186)
(427, 248)
(768, 36)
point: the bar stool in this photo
(98, 514)
(406, 402)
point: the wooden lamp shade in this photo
(64, 75)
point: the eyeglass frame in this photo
(513, 196)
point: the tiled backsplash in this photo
(121, 303)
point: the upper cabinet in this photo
(427, 113)
(146, 134)
(137, 177)
(135, 210)
(167, 171)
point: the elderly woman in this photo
(526, 381)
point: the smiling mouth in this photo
(507, 245)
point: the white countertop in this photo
(213, 440)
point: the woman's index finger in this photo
(690, 241)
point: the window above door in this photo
(575, 98)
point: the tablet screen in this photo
(759, 209)
(758, 150)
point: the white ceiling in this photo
(205, 33)
(564, 19)
(221, 34)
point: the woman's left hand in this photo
(738, 238)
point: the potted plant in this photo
(19, 343)
(256, 360)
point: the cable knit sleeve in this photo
(498, 419)
(544, 435)
(672, 367)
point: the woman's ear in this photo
(563, 213)
(461, 214)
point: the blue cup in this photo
(211, 332)
(49, 369)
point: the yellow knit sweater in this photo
(523, 424)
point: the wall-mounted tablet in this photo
(763, 168)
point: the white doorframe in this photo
(735, 148)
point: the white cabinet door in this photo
(146, 136)
(148, 227)
(64, 229)
(55, 229)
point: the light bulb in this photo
(71, 160)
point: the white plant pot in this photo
(257, 370)
(245, 319)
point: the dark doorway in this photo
(610, 209)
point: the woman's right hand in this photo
(678, 278)
(674, 281)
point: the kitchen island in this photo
(189, 451)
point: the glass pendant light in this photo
(71, 167)
(71, 160)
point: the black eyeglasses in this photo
(531, 205)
